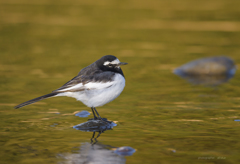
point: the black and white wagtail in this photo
(95, 85)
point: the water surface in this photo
(166, 119)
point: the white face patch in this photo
(116, 61)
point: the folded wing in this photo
(99, 80)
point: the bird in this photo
(95, 85)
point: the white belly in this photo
(96, 96)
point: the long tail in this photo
(35, 100)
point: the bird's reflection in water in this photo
(94, 152)
(95, 126)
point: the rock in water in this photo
(125, 151)
(95, 126)
(83, 113)
(208, 71)
(208, 66)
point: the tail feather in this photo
(35, 100)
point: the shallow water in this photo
(166, 119)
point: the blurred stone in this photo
(208, 66)
(125, 151)
(95, 125)
(83, 113)
(208, 71)
(207, 80)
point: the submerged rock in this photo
(95, 125)
(125, 151)
(208, 71)
(83, 113)
(208, 66)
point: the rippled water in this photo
(163, 117)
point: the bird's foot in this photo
(100, 118)
(105, 120)
(95, 118)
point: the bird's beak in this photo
(122, 63)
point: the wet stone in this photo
(207, 71)
(220, 65)
(95, 125)
(83, 113)
(125, 151)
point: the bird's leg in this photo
(95, 117)
(97, 113)
(99, 117)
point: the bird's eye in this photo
(110, 65)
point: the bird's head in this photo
(110, 63)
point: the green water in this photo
(43, 44)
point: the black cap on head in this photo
(107, 58)
(104, 63)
